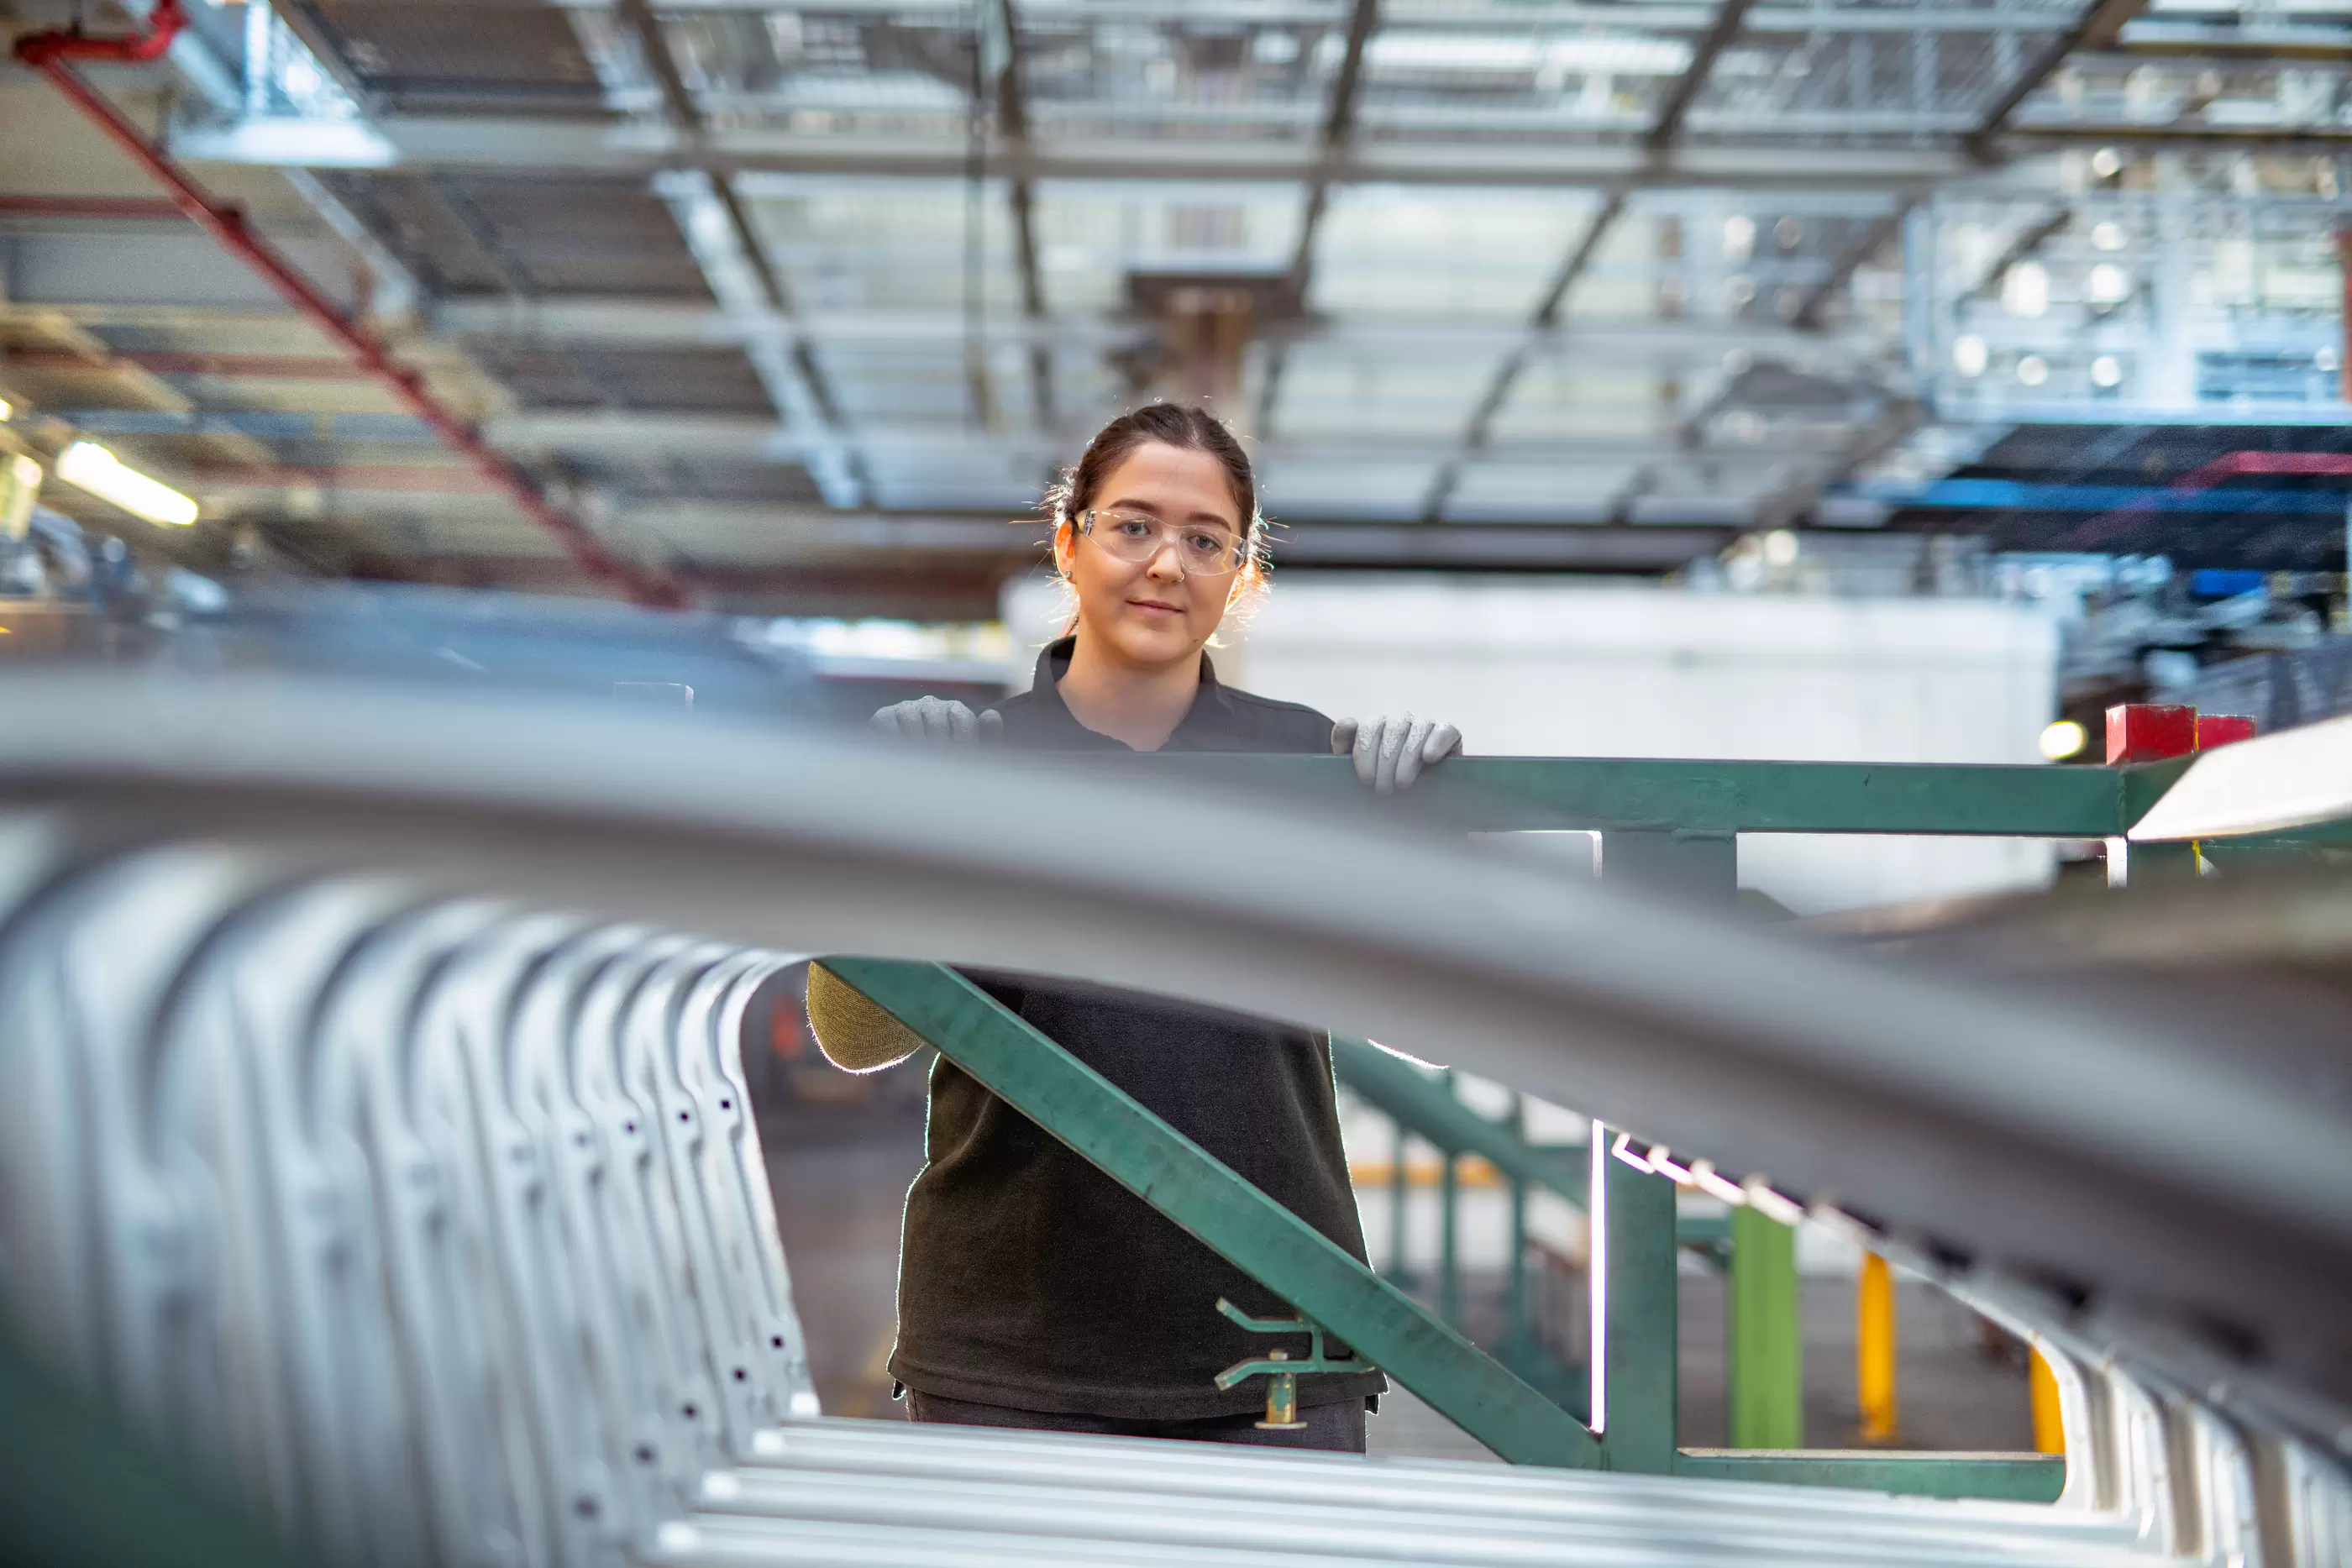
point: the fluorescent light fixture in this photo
(1621, 56)
(2032, 369)
(2062, 739)
(1665, 1167)
(103, 475)
(2110, 283)
(7, 410)
(1970, 355)
(2107, 235)
(2106, 371)
(1483, 54)
(2107, 162)
(1623, 1149)
(1596, 1272)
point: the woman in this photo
(1032, 1291)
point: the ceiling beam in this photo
(1001, 26)
(625, 322)
(2029, 239)
(2173, 135)
(711, 437)
(2100, 22)
(1658, 145)
(1338, 129)
(588, 147)
(1810, 309)
(742, 277)
(1479, 432)
(1728, 17)
(781, 541)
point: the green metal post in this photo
(1205, 1197)
(1515, 1313)
(1698, 866)
(1449, 1262)
(1765, 1328)
(1397, 1270)
(1634, 1384)
(1449, 1244)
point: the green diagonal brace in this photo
(1395, 1088)
(1184, 1182)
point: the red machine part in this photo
(2222, 729)
(52, 54)
(2150, 732)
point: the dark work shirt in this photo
(1030, 1279)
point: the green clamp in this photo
(1282, 1390)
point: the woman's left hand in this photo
(1391, 750)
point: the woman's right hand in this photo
(936, 718)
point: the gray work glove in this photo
(936, 718)
(1391, 750)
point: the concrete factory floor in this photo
(840, 1173)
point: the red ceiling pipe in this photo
(2231, 464)
(52, 53)
(164, 23)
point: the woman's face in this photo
(1151, 612)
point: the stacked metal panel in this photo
(438, 1228)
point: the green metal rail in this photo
(1705, 798)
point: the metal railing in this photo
(1632, 1425)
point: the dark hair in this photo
(1176, 424)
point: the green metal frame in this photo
(1709, 799)
(1673, 824)
(1635, 1236)
(1639, 1311)
(1205, 1197)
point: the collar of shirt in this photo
(1208, 725)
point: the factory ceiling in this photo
(797, 306)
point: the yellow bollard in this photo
(1875, 1349)
(2049, 1425)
